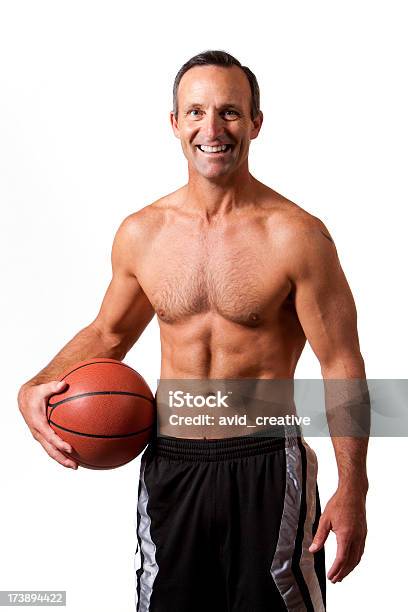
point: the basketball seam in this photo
(89, 435)
(88, 393)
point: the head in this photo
(215, 103)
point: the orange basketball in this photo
(107, 413)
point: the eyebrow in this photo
(227, 105)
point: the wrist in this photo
(354, 485)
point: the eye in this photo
(194, 110)
(231, 113)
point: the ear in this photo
(256, 125)
(174, 124)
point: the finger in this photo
(54, 453)
(342, 555)
(49, 435)
(360, 552)
(352, 562)
(321, 535)
(54, 386)
(46, 431)
(363, 542)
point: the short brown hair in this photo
(218, 58)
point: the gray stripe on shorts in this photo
(307, 559)
(281, 568)
(148, 547)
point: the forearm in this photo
(88, 343)
(348, 413)
(351, 455)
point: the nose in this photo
(213, 125)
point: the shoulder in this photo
(304, 230)
(145, 223)
(311, 249)
(303, 239)
(292, 222)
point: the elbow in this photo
(114, 345)
(343, 365)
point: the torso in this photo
(224, 302)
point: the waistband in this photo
(190, 449)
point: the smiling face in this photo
(214, 121)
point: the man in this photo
(239, 278)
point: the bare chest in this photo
(235, 276)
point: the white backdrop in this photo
(85, 139)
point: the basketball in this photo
(107, 413)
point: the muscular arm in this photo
(327, 313)
(124, 313)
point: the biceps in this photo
(125, 309)
(327, 313)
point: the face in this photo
(214, 110)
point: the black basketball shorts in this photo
(225, 525)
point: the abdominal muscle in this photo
(251, 368)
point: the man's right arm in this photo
(124, 314)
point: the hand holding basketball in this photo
(106, 413)
(32, 402)
(102, 413)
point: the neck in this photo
(214, 198)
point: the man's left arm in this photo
(327, 313)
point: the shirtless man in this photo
(239, 277)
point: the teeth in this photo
(212, 149)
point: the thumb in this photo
(320, 537)
(55, 386)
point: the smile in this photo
(214, 150)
